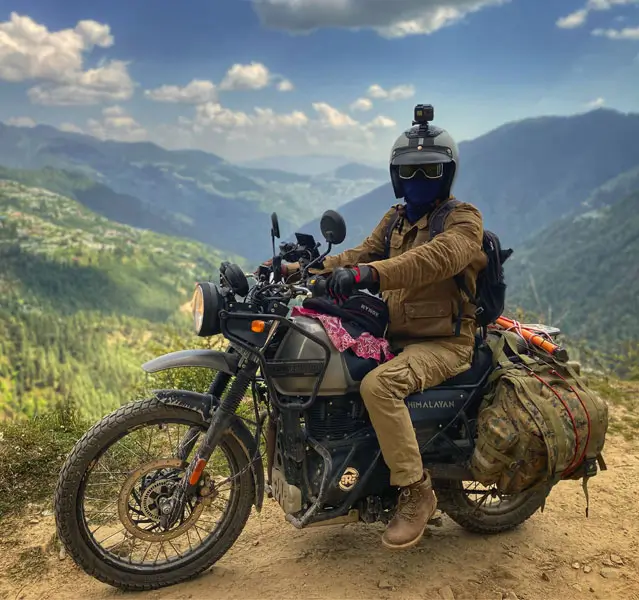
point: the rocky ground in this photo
(558, 554)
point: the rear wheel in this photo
(485, 510)
(112, 487)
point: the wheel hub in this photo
(144, 495)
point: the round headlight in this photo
(206, 304)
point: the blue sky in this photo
(251, 78)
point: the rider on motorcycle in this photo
(416, 281)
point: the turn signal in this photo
(258, 326)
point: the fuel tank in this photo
(343, 375)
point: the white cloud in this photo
(197, 91)
(285, 86)
(254, 76)
(114, 124)
(70, 128)
(400, 92)
(362, 104)
(29, 51)
(239, 135)
(94, 33)
(215, 116)
(596, 103)
(575, 19)
(579, 17)
(377, 91)
(331, 117)
(389, 18)
(104, 84)
(627, 33)
(21, 122)
(382, 122)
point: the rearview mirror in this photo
(275, 226)
(333, 227)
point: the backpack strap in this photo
(436, 226)
(389, 232)
(438, 218)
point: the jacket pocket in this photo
(429, 318)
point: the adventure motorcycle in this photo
(159, 490)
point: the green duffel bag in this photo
(538, 424)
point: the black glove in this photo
(344, 281)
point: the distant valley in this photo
(184, 191)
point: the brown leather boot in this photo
(417, 504)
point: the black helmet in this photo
(422, 145)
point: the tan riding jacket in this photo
(416, 280)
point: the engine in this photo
(336, 418)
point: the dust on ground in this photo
(557, 554)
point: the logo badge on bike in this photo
(349, 479)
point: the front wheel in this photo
(483, 509)
(109, 493)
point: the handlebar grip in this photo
(318, 287)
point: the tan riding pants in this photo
(417, 368)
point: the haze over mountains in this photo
(189, 192)
(308, 164)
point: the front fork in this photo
(216, 390)
(172, 508)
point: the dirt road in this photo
(556, 555)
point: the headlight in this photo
(206, 305)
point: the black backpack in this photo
(491, 288)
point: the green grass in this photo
(32, 452)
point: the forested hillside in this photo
(583, 273)
(82, 301)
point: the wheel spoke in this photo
(137, 472)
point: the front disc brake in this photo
(139, 503)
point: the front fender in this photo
(209, 359)
(205, 405)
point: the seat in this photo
(481, 364)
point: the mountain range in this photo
(526, 175)
(307, 164)
(523, 176)
(186, 191)
(542, 184)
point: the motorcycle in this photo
(159, 490)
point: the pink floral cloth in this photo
(365, 346)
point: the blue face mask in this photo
(420, 195)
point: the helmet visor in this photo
(412, 156)
(428, 171)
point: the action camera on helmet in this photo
(423, 114)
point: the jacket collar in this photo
(424, 221)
